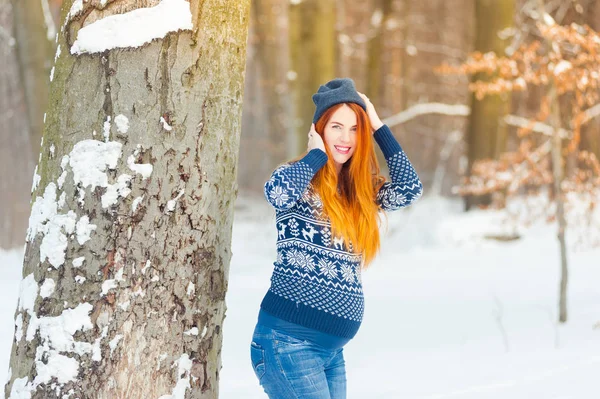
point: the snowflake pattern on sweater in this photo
(316, 281)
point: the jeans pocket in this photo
(257, 356)
(288, 339)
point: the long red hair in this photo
(353, 212)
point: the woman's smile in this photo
(342, 149)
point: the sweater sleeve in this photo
(405, 187)
(289, 182)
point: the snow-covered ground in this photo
(448, 313)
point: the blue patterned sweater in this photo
(316, 281)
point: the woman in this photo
(327, 205)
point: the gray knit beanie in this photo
(336, 91)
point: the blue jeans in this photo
(291, 368)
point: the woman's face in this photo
(340, 135)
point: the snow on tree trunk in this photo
(16, 158)
(128, 246)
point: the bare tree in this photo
(128, 247)
(562, 64)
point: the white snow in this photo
(134, 28)
(144, 169)
(52, 148)
(191, 289)
(76, 7)
(47, 288)
(107, 285)
(56, 337)
(20, 389)
(171, 204)
(438, 299)
(36, 179)
(80, 279)
(146, 266)
(122, 123)
(28, 293)
(166, 126)
(135, 203)
(56, 55)
(96, 350)
(114, 191)
(63, 164)
(84, 229)
(52, 74)
(106, 128)
(192, 331)
(90, 159)
(45, 220)
(77, 262)
(184, 364)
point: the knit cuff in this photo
(316, 159)
(387, 142)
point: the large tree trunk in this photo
(16, 157)
(312, 48)
(127, 260)
(35, 34)
(487, 134)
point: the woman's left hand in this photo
(373, 117)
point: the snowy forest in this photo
(136, 243)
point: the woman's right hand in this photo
(315, 140)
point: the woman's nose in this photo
(345, 136)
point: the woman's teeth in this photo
(342, 150)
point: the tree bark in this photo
(126, 265)
(16, 157)
(312, 49)
(486, 133)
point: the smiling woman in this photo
(327, 203)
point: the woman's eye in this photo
(337, 127)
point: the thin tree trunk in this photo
(128, 252)
(375, 79)
(312, 49)
(558, 172)
(486, 132)
(16, 157)
(36, 45)
(267, 133)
